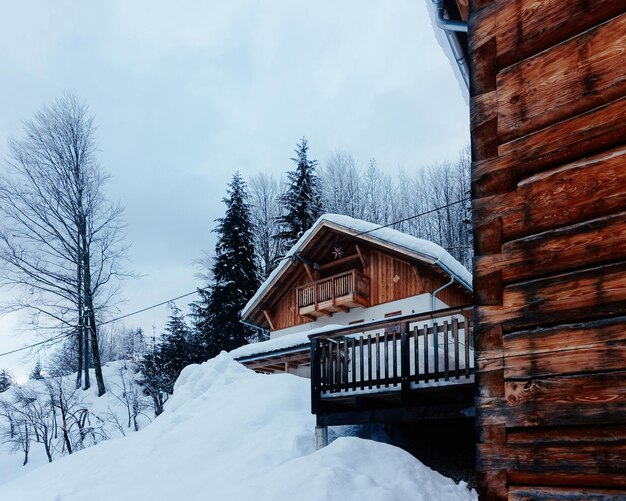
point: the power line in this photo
(365, 232)
(59, 337)
(148, 308)
(132, 313)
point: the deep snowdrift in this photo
(231, 434)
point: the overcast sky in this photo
(185, 93)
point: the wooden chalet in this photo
(379, 320)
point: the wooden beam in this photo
(269, 319)
(343, 260)
(419, 276)
(342, 307)
(361, 255)
(309, 271)
(584, 72)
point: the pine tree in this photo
(302, 201)
(234, 273)
(6, 380)
(36, 374)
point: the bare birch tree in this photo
(60, 239)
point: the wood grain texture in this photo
(526, 27)
(572, 400)
(568, 79)
(567, 349)
(580, 191)
(566, 248)
(517, 493)
(594, 131)
(593, 293)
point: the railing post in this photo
(405, 363)
(315, 376)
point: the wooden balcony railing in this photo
(394, 355)
(337, 293)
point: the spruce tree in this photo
(6, 380)
(234, 273)
(36, 373)
(302, 201)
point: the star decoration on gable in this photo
(337, 252)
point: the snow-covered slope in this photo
(107, 416)
(231, 434)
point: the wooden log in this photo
(527, 27)
(584, 190)
(539, 493)
(592, 242)
(568, 79)
(591, 132)
(596, 465)
(569, 349)
(573, 400)
(574, 436)
(598, 292)
(482, 47)
(492, 484)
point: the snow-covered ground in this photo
(231, 434)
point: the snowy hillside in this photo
(107, 417)
(229, 433)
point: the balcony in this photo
(340, 292)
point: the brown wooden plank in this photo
(568, 79)
(566, 400)
(591, 132)
(527, 27)
(588, 294)
(539, 493)
(564, 435)
(570, 349)
(598, 464)
(581, 191)
(592, 242)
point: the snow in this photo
(281, 343)
(101, 412)
(417, 247)
(229, 433)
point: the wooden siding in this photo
(391, 279)
(547, 110)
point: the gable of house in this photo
(340, 254)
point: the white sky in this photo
(187, 92)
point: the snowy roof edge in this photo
(438, 256)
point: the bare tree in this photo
(264, 192)
(342, 189)
(60, 239)
(129, 394)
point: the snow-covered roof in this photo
(291, 341)
(413, 246)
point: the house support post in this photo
(321, 437)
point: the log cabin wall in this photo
(391, 279)
(548, 124)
